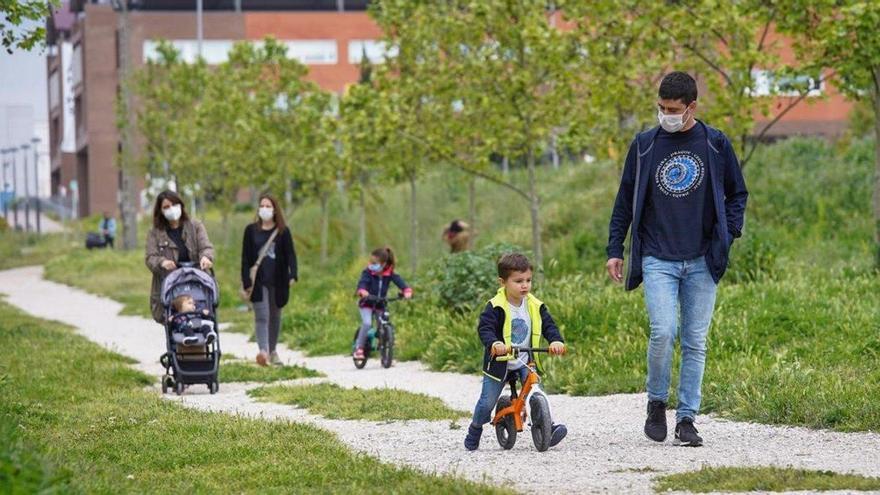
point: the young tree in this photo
(500, 74)
(842, 36)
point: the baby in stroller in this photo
(189, 326)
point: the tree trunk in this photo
(877, 165)
(554, 152)
(362, 239)
(505, 165)
(128, 192)
(413, 225)
(534, 204)
(472, 210)
(325, 221)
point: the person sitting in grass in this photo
(187, 321)
(374, 281)
(514, 317)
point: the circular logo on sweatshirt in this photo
(680, 173)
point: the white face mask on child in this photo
(266, 214)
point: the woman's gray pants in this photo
(267, 320)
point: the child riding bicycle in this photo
(374, 281)
(514, 317)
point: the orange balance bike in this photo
(510, 410)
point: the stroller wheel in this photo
(213, 387)
(178, 388)
(164, 361)
(167, 382)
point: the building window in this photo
(376, 51)
(767, 83)
(54, 89)
(76, 66)
(308, 52)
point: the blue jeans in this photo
(679, 295)
(489, 396)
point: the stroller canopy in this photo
(193, 282)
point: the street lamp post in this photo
(5, 198)
(35, 141)
(199, 26)
(14, 188)
(27, 194)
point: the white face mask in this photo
(673, 122)
(266, 214)
(172, 213)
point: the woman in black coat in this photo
(276, 273)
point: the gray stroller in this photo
(191, 360)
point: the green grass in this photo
(334, 402)
(765, 479)
(251, 372)
(794, 338)
(79, 421)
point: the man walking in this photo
(683, 195)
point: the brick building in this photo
(329, 36)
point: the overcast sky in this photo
(23, 80)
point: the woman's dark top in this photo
(267, 266)
(284, 264)
(176, 236)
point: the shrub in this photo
(464, 280)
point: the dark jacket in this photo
(491, 329)
(285, 264)
(728, 191)
(377, 284)
(159, 247)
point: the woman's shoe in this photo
(275, 359)
(359, 353)
(262, 358)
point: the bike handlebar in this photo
(377, 299)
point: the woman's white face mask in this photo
(172, 213)
(266, 214)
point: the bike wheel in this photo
(505, 430)
(541, 421)
(386, 347)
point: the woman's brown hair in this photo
(385, 256)
(159, 220)
(278, 215)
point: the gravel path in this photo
(605, 450)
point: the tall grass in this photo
(795, 334)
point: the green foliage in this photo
(763, 479)
(463, 281)
(379, 404)
(89, 414)
(18, 13)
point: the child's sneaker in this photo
(190, 340)
(557, 433)
(358, 353)
(472, 440)
(210, 337)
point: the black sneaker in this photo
(472, 440)
(655, 425)
(686, 434)
(557, 433)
